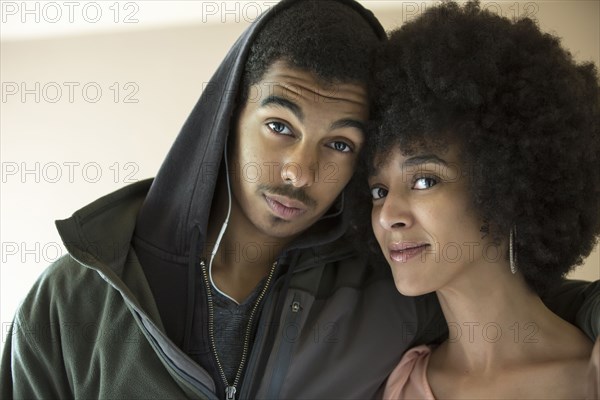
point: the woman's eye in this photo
(341, 146)
(378, 193)
(424, 183)
(279, 128)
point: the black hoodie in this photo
(172, 225)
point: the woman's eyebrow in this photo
(411, 162)
(424, 159)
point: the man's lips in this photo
(286, 201)
(284, 207)
(404, 251)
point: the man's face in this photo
(295, 148)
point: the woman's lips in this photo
(284, 207)
(402, 252)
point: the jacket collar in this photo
(99, 234)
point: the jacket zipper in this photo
(260, 339)
(231, 389)
(250, 382)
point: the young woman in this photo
(486, 189)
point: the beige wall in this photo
(100, 143)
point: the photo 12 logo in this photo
(68, 171)
(69, 92)
(509, 9)
(52, 12)
(234, 11)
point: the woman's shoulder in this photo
(409, 378)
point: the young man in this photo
(230, 274)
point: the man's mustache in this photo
(289, 191)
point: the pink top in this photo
(409, 378)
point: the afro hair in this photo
(525, 116)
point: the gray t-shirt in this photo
(230, 323)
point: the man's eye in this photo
(341, 146)
(424, 183)
(279, 128)
(378, 193)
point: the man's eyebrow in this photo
(424, 159)
(349, 123)
(285, 103)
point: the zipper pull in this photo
(230, 393)
(296, 306)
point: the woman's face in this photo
(424, 221)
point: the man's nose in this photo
(301, 166)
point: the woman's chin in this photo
(411, 290)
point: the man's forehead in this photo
(285, 80)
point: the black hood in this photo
(177, 208)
